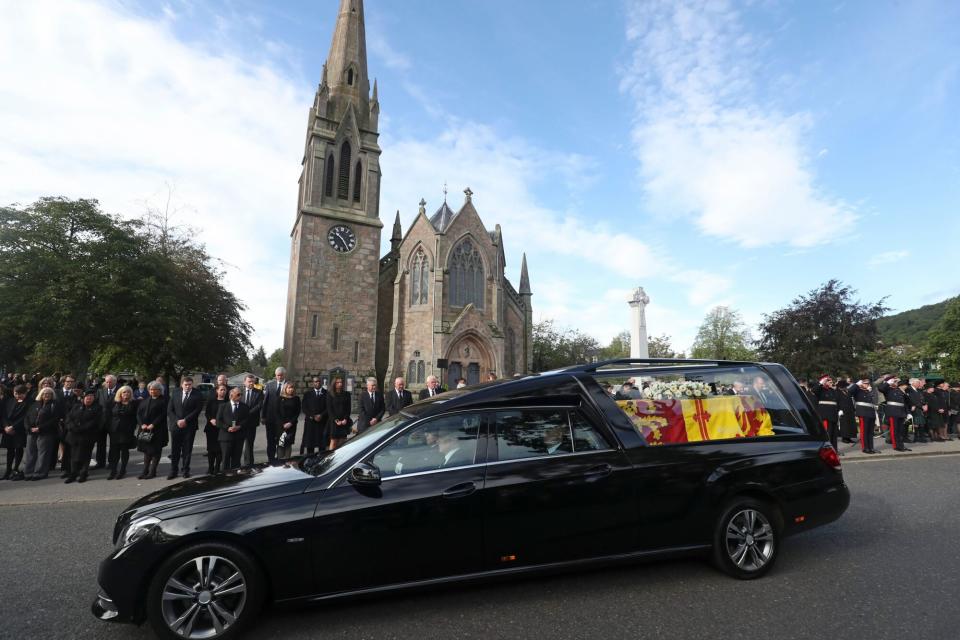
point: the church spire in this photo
(524, 278)
(397, 236)
(347, 61)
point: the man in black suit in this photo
(398, 398)
(371, 407)
(314, 407)
(433, 388)
(105, 398)
(183, 414)
(253, 398)
(230, 421)
(67, 400)
(271, 411)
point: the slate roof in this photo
(442, 218)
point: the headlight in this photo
(136, 530)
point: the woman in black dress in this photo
(212, 432)
(152, 419)
(289, 411)
(84, 425)
(123, 427)
(338, 414)
(14, 431)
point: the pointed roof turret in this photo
(524, 278)
(346, 67)
(442, 218)
(397, 237)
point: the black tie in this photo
(248, 397)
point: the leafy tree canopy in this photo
(722, 336)
(944, 341)
(825, 331)
(554, 347)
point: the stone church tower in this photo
(331, 316)
(438, 303)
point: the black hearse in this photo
(609, 462)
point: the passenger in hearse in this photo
(452, 454)
(554, 440)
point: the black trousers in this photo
(272, 436)
(231, 453)
(249, 437)
(118, 454)
(101, 449)
(898, 431)
(181, 447)
(832, 429)
(80, 460)
(865, 425)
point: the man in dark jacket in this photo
(253, 398)
(896, 410)
(827, 400)
(936, 413)
(314, 407)
(371, 406)
(83, 427)
(398, 398)
(106, 397)
(183, 414)
(918, 409)
(230, 421)
(432, 389)
(271, 411)
(865, 408)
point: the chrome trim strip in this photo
(551, 457)
(431, 471)
(492, 573)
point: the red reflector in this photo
(799, 519)
(829, 456)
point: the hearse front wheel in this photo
(747, 538)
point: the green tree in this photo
(660, 347)
(275, 360)
(83, 289)
(824, 331)
(722, 336)
(554, 347)
(943, 341)
(619, 347)
(898, 359)
(259, 358)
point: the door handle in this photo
(599, 471)
(460, 490)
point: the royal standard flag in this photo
(698, 420)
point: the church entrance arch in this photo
(470, 356)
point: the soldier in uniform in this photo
(865, 408)
(828, 399)
(848, 427)
(896, 413)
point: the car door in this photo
(557, 488)
(422, 522)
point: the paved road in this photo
(889, 569)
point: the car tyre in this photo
(207, 590)
(747, 538)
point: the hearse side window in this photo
(533, 433)
(441, 443)
(702, 404)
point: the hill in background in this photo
(911, 327)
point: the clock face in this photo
(342, 238)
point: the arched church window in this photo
(412, 371)
(357, 176)
(466, 275)
(350, 77)
(419, 277)
(421, 372)
(343, 184)
(328, 178)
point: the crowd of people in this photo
(52, 421)
(902, 410)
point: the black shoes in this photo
(171, 475)
(186, 474)
(870, 451)
(82, 478)
(69, 480)
(112, 476)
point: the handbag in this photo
(144, 437)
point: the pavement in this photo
(888, 569)
(852, 451)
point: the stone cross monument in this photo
(638, 324)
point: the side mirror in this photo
(365, 474)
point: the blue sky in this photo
(712, 152)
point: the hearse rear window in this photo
(702, 404)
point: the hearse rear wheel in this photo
(747, 538)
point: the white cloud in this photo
(709, 151)
(888, 258)
(98, 102)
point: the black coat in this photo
(897, 403)
(339, 407)
(15, 415)
(106, 401)
(46, 417)
(369, 409)
(314, 403)
(212, 412)
(123, 425)
(827, 401)
(84, 424)
(153, 411)
(189, 410)
(314, 431)
(395, 403)
(255, 405)
(425, 393)
(288, 411)
(864, 401)
(227, 417)
(271, 403)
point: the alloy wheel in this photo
(749, 540)
(203, 597)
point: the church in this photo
(438, 303)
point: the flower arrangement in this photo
(677, 390)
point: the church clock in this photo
(342, 238)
